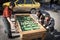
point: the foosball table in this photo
(28, 27)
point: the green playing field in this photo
(27, 23)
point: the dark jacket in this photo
(50, 24)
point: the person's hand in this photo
(44, 25)
(47, 27)
(39, 21)
(12, 26)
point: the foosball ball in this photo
(28, 27)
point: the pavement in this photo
(56, 36)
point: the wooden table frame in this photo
(28, 35)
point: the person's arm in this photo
(9, 20)
(11, 23)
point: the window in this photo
(20, 2)
(28, 1)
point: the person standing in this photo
(7, 12)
